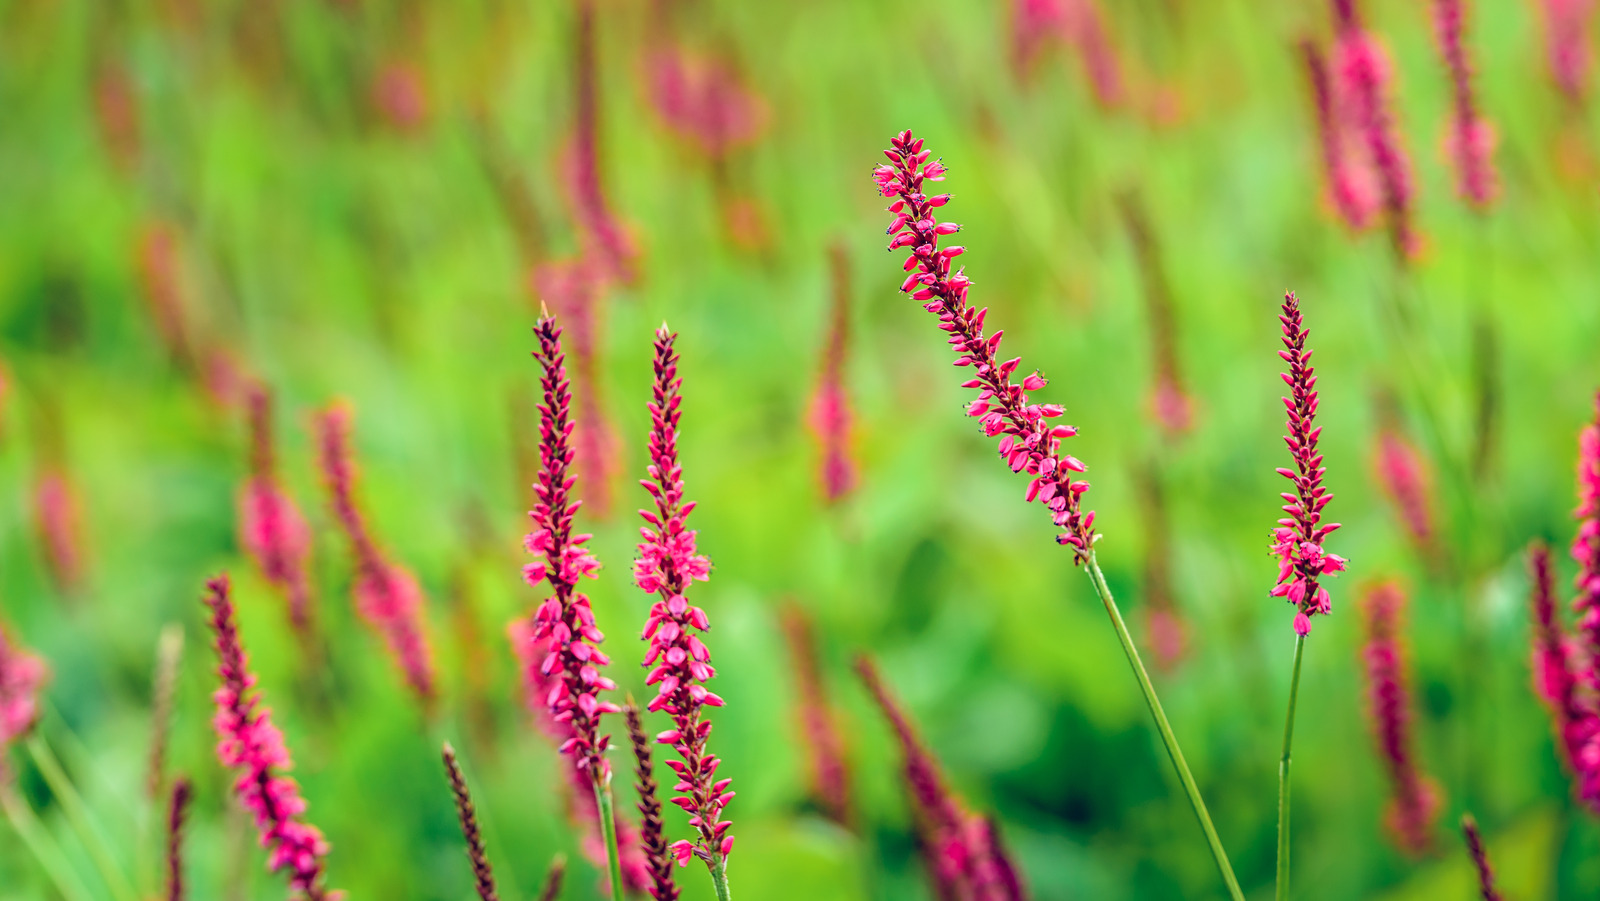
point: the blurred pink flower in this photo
(400, 95)
(828, 770)
(22, 677)
(161, 277)
(572, 289)
(1078, 23)
(271, 528)
(1555, 662)
(1362, 78)
(830, 416)
(1469, 143)
(1352, 186)
(605, 240)
(1415, 801)
(703, 99)
(1586, 546)
(1567, 45)
(116, 112)
(250, 744)
(58, 525)
(1404, 475)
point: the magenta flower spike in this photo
(1415, 801)
(271, 528)
(678, 660)
(831, 417)
(387, 595)
(1469, 143)
(1027, 439)
(1586, 546)
(1555, 658)
(1297, 540)
(1567, 46)
(22, 677)
(1351, 186)
(253, 747)
(1362, 85)
(57, 520)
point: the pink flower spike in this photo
(1555, 655)
(1568, 50)
(820, 735)
(1415, 801)
(1469, 143)
(666, 564)
(1297, 540)
(251, 745)
(22, 677)
(271, 529)
(1403, 474)
(1027, 437)
(387, 596)
(1352, 187)
(58, 523)
(831, 417)
(1586, 546)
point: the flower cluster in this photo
(1027, 439)
(565, 619)
(22, 675)
(271, 528)
(1297, 540)
(1470, 141)
(965, 857)
(252, 745)
(1416, 800)
(387, 595)
(679, 662)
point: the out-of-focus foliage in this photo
(353, 195)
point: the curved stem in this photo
(719, 876)
(44, 848)
(608, 832)
(1162, 726)
(1283, 774)
(78, 813)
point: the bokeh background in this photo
(349, 200)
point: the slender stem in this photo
(78, 813)
(719, 876)
(1162, 726)
(608, 831)
(1283, 774)
(44, 848)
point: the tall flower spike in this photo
(1576, 724)
(565, 619)
(1351, 185)
(482, 875)
(1586, 546)
(1027, 439)
(1297, 540)
(679, 662)
(1567, 46)
(177, 811)
(271, 528)
(22, 676)
(1470, 141)
(1480, 858)
(1416, 802)
(1363, 85)
(830, 415)
(387, 596)
(652, 836)
(252, 746)
(819, 729)
(966, 860)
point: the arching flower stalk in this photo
(565, 619)
(831, 418)
(1027, 440)
(387, 595)
(819, 727)
(1469, 143)
(1416, 801)
(252, 746)
(271, 528)
(1363, 74)
(679, 662)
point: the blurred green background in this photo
(349, 190)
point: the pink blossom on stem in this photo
(1352, 186)
(1403, 474)
(819, 728)
(22, 677)
(1416, 802)
(1027, 440)
(57, 520)
(830, 415)
(678, 660)
(387, 596)
(1469, 143)
(251, 745)
(1567, 45)
(1363, 75)
(1297, 540)
(271, 528)
(565, 619)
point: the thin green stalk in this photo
(78, 813)
(1283, 773)
(1162, 726)
(719, 876)
(608, 831)
(44, 848)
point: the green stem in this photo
(1283, 773)
(78, 813)
(44, 848)
(719, 876)
(1162, 726)
(608, 831)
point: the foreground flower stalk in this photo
(679, 662)
(1027, 439)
